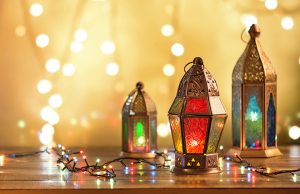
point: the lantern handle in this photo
(186, 66)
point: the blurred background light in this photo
(20, 30)
(177, 49)
(108, 47)
(248, 20)
(42, 40)
(112, 69)
(80, 35)
(68, 69)
(52, 65)
(294, 132)
(44, 86)
(169, 70)
(76, 46)
(167, 30)
(36, 9)
(271, 4)
(163, 130)
(287, 23)
(55, 101)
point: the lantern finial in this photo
(139, 85)
(254, 31)
(198, 61)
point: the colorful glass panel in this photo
(253, 124)
(215, 133)
(176, 132)
(176, 106)
(216, 105)
(236, 115)
(139, 134)
(153, 132)
(196, 105)
(195, 134)
(271, 122)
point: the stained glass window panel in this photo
(197, 105)
(176, 106)
(153, 132)
(236, 115)
(139, 133)
(215, 133)
(195, 134)
(176, 132)
(271, 122)
(253, 124)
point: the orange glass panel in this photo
(176, 132)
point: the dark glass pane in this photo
(195, 134)
(271, 122)
(125, 133)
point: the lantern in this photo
(254, 96)
(197, 118)
(138, 124)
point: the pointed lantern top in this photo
(254, 66)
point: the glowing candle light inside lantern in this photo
(44, 86)
(52, 65)
(36, 9)
(287, 23)
(112, 69)
(169, 70)
(139, 135)
(42, 40)
(108, 47)
(167, 30)
(177, 49)
(68, 69)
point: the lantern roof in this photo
(197, 81)
(254, 66)
(138, 102)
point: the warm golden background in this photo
(93, 95)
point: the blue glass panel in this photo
(271, 122)
(253, 124)
(236, 115)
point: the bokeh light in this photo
(80, 35)
(45, 139)
(42, 40)
(108, 47)
(167, 30)
(36, 9)
(20, 30)
(163, 130)
(49, 115)
(55, 101)
(44, 86)
(52, 65)
(21, 124)
(169, 70)
(294, 132)
(76, 46)
(68, 69)
(248, 20)
(112, 69)
(48, 129)
(271, 4)
(177, 49)
(287, 23)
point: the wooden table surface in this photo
(40, 174)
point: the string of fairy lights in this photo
(56, 66)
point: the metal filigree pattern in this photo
(176, 106)
(253, 69)
(237, 74)
(211, 84)
(183, 84)
(139, 105)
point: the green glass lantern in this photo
(254, 97)
(197, 118)
(139, 124)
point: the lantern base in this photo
(252, 153)
(137, 155)
(189, 171)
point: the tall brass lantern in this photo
(139, 124)
(197, 118)
(254, 97)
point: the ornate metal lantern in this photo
(197, 118)
(139, 124)
(254, 99)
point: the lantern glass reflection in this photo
(138, 124)
(254, 84)
(197, 118)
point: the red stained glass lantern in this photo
(197, 118)
(254, 97)
(139, 124)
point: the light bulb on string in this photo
(271, 4)
(68, 69)
(177, 49)
(52, 65)
(42, 40)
